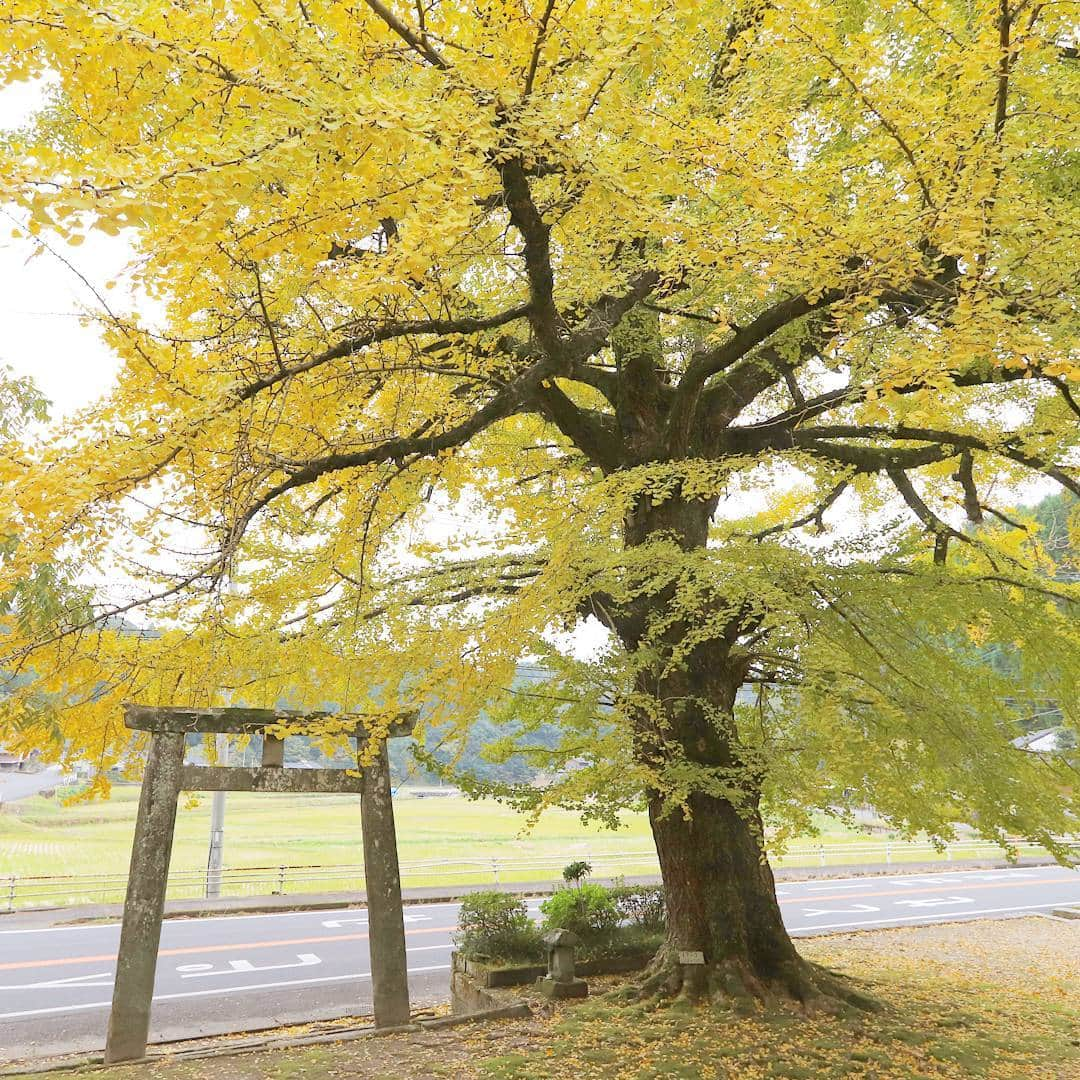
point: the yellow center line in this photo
(188, 950)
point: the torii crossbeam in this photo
(166, 776)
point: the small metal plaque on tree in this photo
(691, 957)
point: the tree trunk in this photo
(725, 936)
(721, 903)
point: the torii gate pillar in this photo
(382, 880)
(166, 776)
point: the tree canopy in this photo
(704, 323)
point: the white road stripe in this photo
(830, 885)
(957, 916)
(216, 991)
(317, 912)
(74, 984)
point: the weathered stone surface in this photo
(560, 958)
(469, 994)
(557, 989)
(240, 721)
(300, 781)
(166, 775)
(382, 880)
(273, 752)
(553, 939)
(140, 932)
(494, 977)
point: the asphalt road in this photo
(21, 785)
(249, 971)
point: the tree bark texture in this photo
(720, 891)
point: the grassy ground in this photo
(999, 1000)
(41, 836)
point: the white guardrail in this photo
(24, 892)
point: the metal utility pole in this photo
(215, 858)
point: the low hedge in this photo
(587, 911)
(619, 921)
(496, 926)
(640, 905)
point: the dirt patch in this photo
(1032, 955)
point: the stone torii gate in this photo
(166, 776)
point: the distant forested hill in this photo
(459, 755)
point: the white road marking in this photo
(996, 875)
(75, 982)
(363, 920)
(216, 991)
(961, 915)
(935, 901)
(187, 971)
(180, 919)
(967, 875)
(827, 885)
(855, 909)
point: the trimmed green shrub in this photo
(640, 905)
(587, 911)
(496, 926)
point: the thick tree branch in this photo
(1066, 393)
(940, 530)
(544, 317)
(385, 332)
(419, 44)
(723, 400)
(419, 444)
(706, 363)
(865, 459)
(602, 379)
(593, 433)
(595, 329)
(965, 477)
(945, 439)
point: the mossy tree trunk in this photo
(720, 891)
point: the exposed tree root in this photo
(732, 982)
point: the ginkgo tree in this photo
(707, 325)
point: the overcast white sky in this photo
(41, 333)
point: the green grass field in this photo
(41, 836)
(44, 837)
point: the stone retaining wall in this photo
(475, 986)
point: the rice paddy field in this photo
(45, 836)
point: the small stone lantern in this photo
(560, 981)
